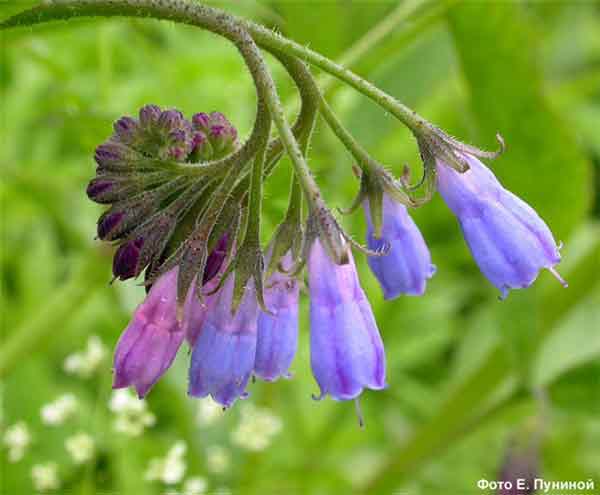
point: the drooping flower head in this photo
(347, 353)
(508, 240)
(406, 266)
(277, 338)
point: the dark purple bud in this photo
(118, 158)
(149, 115)
(98, 187)
(126, 129)
(125, 261)
(215, 260)
(108, 223)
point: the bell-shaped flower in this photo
(150, 342)
(225, 348)
(405, 268)
(507, 238)
(277, 338)
(347, 353)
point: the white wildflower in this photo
(57, 412)
(17, 438)
(209, 412)
(81, 447)
(195, 486)
(45, 476)
(217, 459)
(132, 414)
(256, 428)
(85, 363)
(170, 470)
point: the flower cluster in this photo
(236, 334)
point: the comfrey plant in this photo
(185, 198)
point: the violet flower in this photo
(150, 342)
(347, 353)
(507, 238)
(407, 266)
(224, 351)
(277, 338)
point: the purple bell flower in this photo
(347, 353)
(507, 238)
(277, 339)
(150, 342)
(196, 310)
(407, 266)
(224, 352)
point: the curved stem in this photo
(219, 22)
(273, 42)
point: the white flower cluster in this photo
(85, 363)
(256, 428)
(170, 470)
(195, 486)
(132, 414)
(218, 459)
(209, 412)
(57, 412)
(45, 476)
(16, 439)
(81, 447)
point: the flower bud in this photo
(149, 115)
(109, 223)
(126, 130)
(98, 188)
(125, 261)
(116, 157)
(219, 131)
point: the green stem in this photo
(362, 157)
(255, 197)
(221, 23)
(275, 42)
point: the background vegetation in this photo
(463, 367)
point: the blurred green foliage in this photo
(462, 366)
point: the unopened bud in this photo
(126, 130)
(125, 261)
(149, 115)
(108, 224)
(219, 131)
